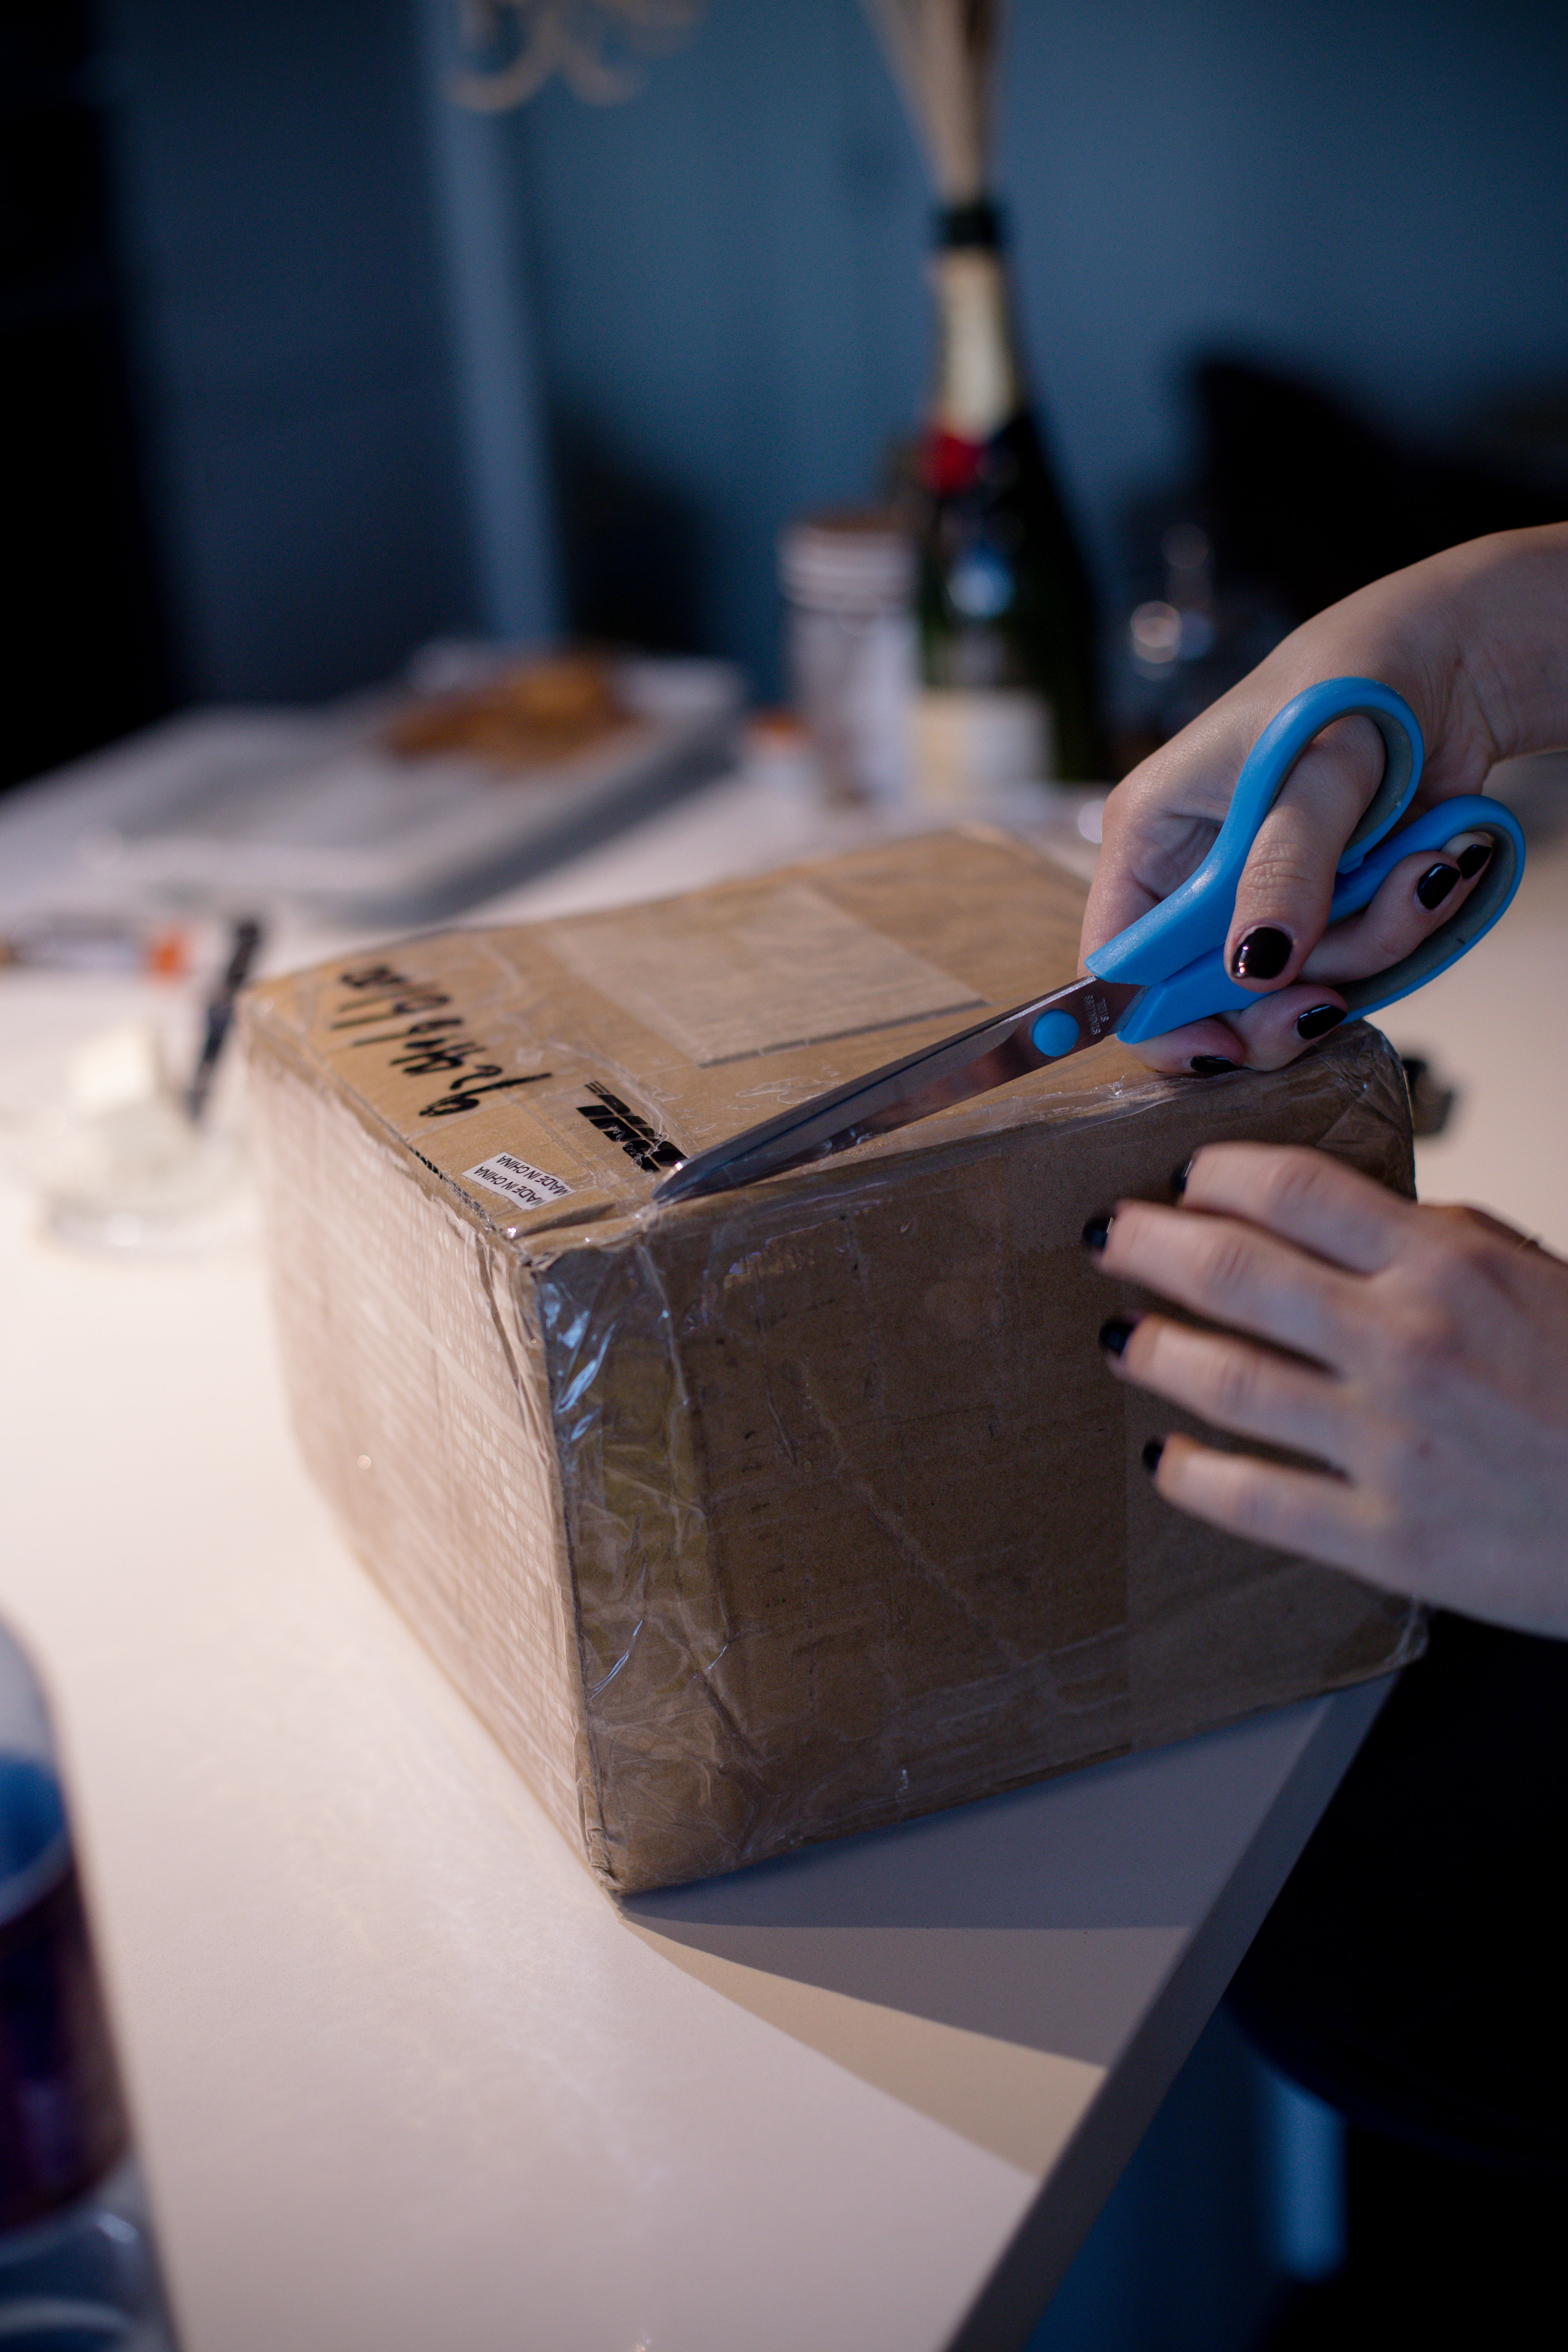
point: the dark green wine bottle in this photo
(1006, 615)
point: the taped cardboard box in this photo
(794, 1511)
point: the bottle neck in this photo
(978, 389)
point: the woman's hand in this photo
(1470, 639)
(1421, 1354)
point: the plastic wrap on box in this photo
(792, 1510)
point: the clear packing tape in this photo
(800, 1509)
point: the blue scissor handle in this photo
(1196, 917)
(1205, 986)
(1176, 949)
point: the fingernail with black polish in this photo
(1179, 1180)
(1097, 1233)
(1319, 1020)
(1152, 1452)
(1436, 884)
(1115, 1333)
(1209, 1066)
(1471, 860)
(1263, 954)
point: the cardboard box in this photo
(797, 1510)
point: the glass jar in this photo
(78, 2267)
(849, 579)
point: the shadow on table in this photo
(989, 1965)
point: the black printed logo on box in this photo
(618, 1123)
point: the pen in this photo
(220, 1013)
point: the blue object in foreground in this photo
(61, 2122)
(79, 2271)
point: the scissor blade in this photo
(951, 1071)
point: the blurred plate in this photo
(310, 808)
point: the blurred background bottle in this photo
(79, 2270)
(1006, 616)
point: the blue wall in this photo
(277, 226)
(728, 270)
(722, 283)
(729, 284)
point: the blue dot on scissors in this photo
(1053, 1034)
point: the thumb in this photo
(1282, 898)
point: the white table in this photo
(404, 2077)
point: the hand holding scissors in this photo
(1167, 968)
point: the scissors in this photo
(1167, 968)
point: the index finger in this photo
(1160, 821)
(1305, 1197)
(1282, 898)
